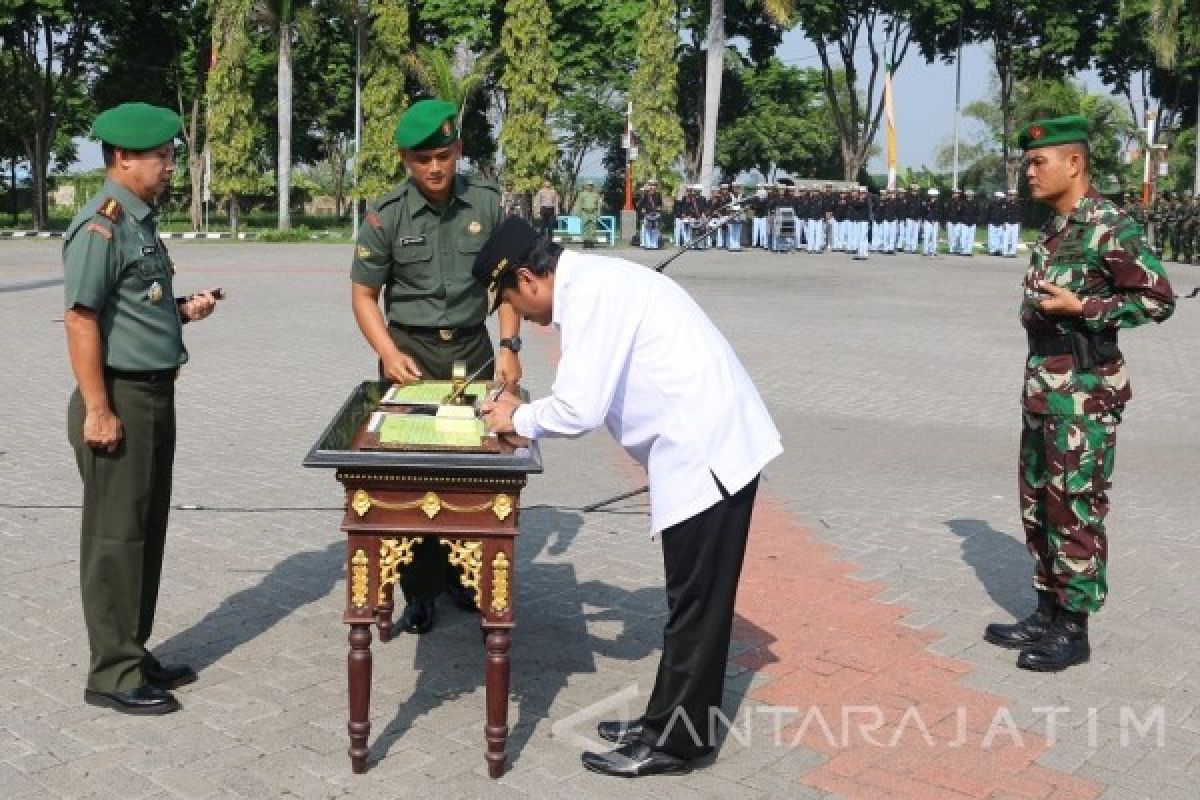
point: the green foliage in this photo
(787, 125)
(528, 83)
(378, 166)
(233, 126)
(981, 154)
(653, 93)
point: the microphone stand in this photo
(712, 227)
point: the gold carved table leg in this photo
(495, 605)
(359, 614)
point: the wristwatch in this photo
(513, 343)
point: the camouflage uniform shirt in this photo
(1100, 254)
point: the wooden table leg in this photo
(496, 730)
(358, 667)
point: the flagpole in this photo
(957, 96)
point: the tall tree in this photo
(1030, 39)
(528, 82)
(786, 125)
(162, 58)
(48, 49)
(377, 165)
(324, 99)
(653, 92)
(282, 19)
(839, 30)
(778, 10)
(1174, 37)
(233, 127)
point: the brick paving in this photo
(886, 538)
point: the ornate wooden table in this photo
(395, 498)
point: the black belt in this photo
(1089, 349)
(143, 375)
(443, 334)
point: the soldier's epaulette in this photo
(391, 197)
(110, 209)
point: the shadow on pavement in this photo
(550, 642)
(295, 581)
(1001, 562)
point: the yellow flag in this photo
(891, 127)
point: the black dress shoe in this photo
(168, 676)
(461, 596)
(142, 700)
(1064, 646)
(620, 731)
(1028, 631)
(418, 616)
(635, 760)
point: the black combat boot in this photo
(1064, 646)
(1028, 631)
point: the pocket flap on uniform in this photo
(409, 253)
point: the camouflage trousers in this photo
(1065, 469)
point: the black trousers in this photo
(549, 220)
(702, 558)
(430, 571)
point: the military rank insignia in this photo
(474, 227)
(109, 209)
(154, 293)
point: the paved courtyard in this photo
(886, 537)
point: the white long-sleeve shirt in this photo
(639, 355)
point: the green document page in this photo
(418, 429)
(429, 393)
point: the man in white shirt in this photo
(639, 356)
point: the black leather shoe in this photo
(418, 616)
(1064, 646)
(168, 676)
(142, 700)
(634, 760)
(462, 597)
(620, 731)
(1028, 631)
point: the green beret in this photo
(137, 126)
(427, 124)
(1049, 132)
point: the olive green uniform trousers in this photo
(426, 577)
(126, 500)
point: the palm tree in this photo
(281, 18)
(1174, 32)
(778, 10)
(456, 79)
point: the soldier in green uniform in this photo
(125, 342)
(416, 248)
(1091, 274)
(589, 213)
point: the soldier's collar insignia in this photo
(474, 227)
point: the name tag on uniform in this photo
(149, 249)
(407, 240)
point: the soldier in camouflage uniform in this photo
(1090, 275)
(1155, 230)
(1189, 229)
